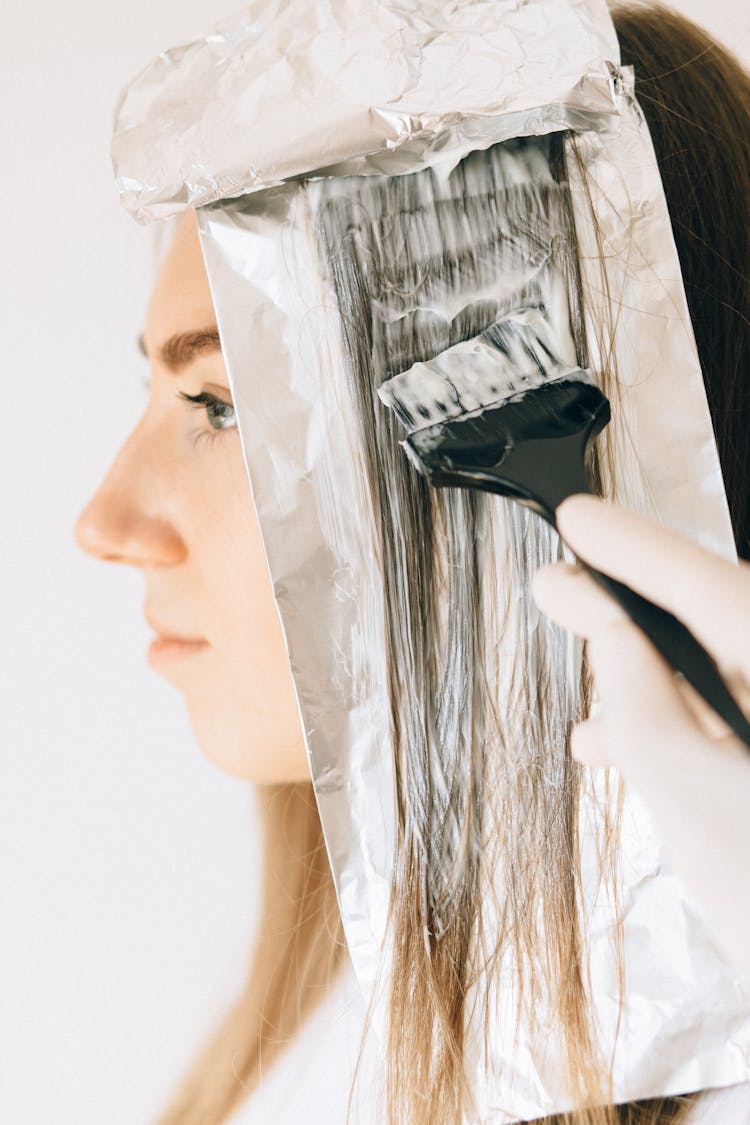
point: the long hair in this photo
(299, 952)
(696, 99)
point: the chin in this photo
(246, 748)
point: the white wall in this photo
(128, 862)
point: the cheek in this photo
(234, 567)
(248, 722)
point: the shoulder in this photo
(312, 1078)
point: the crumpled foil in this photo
(230, 124)
(288, 89)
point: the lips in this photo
(165, 651)
(171, 646)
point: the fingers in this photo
(570, 597)
(638, 689)
(643, 705)
(708, 593)
(643, 711)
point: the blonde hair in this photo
(300, 951)
(676, 64)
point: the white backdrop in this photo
(128, 862)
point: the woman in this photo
(175, 504)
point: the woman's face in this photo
(176, 504)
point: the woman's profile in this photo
(176, 505)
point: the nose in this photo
(127, 519)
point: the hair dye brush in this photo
(470, 289)
(504, 413)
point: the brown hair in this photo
(696, 99)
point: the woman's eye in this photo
(220, 414)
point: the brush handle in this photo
(680, 649)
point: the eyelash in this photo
(207, 402)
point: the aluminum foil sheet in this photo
(286, 88)
(234, 124)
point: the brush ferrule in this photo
(513, 356)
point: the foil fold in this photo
(283, 90)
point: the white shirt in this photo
(309, 1083)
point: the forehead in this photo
(181, 297)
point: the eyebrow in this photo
(182, 348)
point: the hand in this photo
(692, 771)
